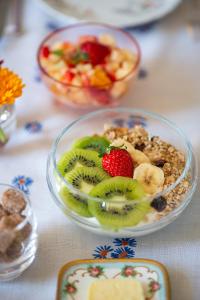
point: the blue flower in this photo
(33, 127)
(146, 27)
(102, 251)
(52, 25)
(123, 252)
(37, 78)
(118, 122)
(21, 182)
(125, 242)
(136, 120)
(142, 74)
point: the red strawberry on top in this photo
(87, 38)
(96, 51)
(69, 76)
(45, 51)
(118, 163)
(100, 96)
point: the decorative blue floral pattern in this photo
(121, 248)
(37, 76)
(125, 242)
(146, 27)
(52, 25)
(123, 252)
(142, 73)
(102, 251)
(22, 182)
(118, 122)
(33, 127)
(131, 121)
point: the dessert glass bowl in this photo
(14, 268)
(87, 97)
(93, 123)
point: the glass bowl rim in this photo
(187, 145)
(29, 212)
(97, 24)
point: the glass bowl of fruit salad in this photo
(88, 64)
(122, 172)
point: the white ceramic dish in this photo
(122, 13)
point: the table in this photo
(168, 84)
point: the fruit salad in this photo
(123, 172)
(91, 70)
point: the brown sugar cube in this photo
(13, 201)
(24, 233)
(2, 212)
(10, 221)
(14, 251)
(2, 257)
(6, 238)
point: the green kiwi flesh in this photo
(83, 179)
(96, 143)
(78, 157)
(116, 215)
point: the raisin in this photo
(140, 146)
(159, 203)
(153, 137)
(159, 163)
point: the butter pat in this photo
(117, 289)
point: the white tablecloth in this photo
(171, 87)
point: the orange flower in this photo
(11, 86)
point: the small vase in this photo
(7, 123)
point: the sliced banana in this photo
(138, 156)
(151, 177)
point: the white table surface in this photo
(172, 88)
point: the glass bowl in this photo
(7, 123)
(93, 123)
(88, 96)
(22, 250)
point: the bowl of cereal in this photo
(88, 64)
(128, 172)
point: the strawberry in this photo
(45, 51)
(101, 96)
(85, 79)
(118, 162)
(87, 38)
(69, 76)
(111, 76)
(96, 51)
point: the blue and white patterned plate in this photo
(122, 13)
(75, 277)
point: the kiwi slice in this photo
(78, 157)
(116, 215)
(96, 143)
(83, 179)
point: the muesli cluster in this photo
(12, 236)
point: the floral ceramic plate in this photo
(75, 277)
(122, 13)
